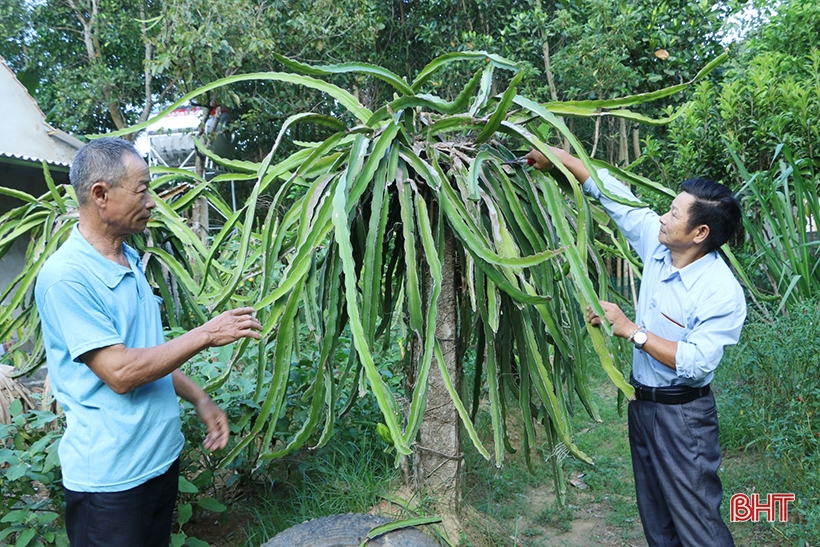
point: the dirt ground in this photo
(590, 526)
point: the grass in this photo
(556, 517)
(609, 487)
(769, 403)
(348, 480)
(747, 472)
(342, 479)
(522, 504)
(513, 507)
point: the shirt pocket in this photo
(669, 326)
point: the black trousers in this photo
(139, 517)
(675, 458)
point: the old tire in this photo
(348, 531)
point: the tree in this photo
(793, 29)
(594, 50)
(86, 62)
(102, 65)
(414, 190)
(766, 97)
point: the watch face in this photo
(640, 338)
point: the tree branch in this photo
(149, 55)
(95, 58)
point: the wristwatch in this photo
(639, 337)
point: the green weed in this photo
(31, 494)
(349, 478)
(769, 404)
(557, 516)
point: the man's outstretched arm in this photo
(575, 166)
(124, 369)
(661, 349)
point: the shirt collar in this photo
(107, 271)
(688, 274)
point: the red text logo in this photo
(743, 508)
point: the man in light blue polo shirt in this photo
(110, 367)
(690, 307)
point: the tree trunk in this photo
(624, 270)
(551, 83)
(623, 147)
(199, 211)
(611, 151)
(636, 152)
(437, 454)
(148, 102)
(94, 53)
(596, 136)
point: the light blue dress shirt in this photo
(700, 306)
(112, 442)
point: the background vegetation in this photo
(751, 124)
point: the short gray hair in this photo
(100, 159)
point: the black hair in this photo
(715, 206)
(100, 159)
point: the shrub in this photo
(772, 403)
(764, 101)
(31, 494)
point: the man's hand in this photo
(232, 325)
(211, 415)
(621, 324)
(216, 421)
(539, 160)
(575, 166)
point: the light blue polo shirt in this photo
(112, 442)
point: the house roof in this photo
(26, 135)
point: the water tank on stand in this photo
(169, 142)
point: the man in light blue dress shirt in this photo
(690, 307)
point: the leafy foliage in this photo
(781, 209)
(350, 251)
(47, 221)
(146, 51)
(793, 30)
(768, 96)
(358, 220)
(629, 57)
(283, 250)
(83, 61)
(30, 481)
(776, 408)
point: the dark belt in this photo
(668, 395)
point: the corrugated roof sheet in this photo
(36, 160)
(26, 134)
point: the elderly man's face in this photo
(130, 203)
(674, 231)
